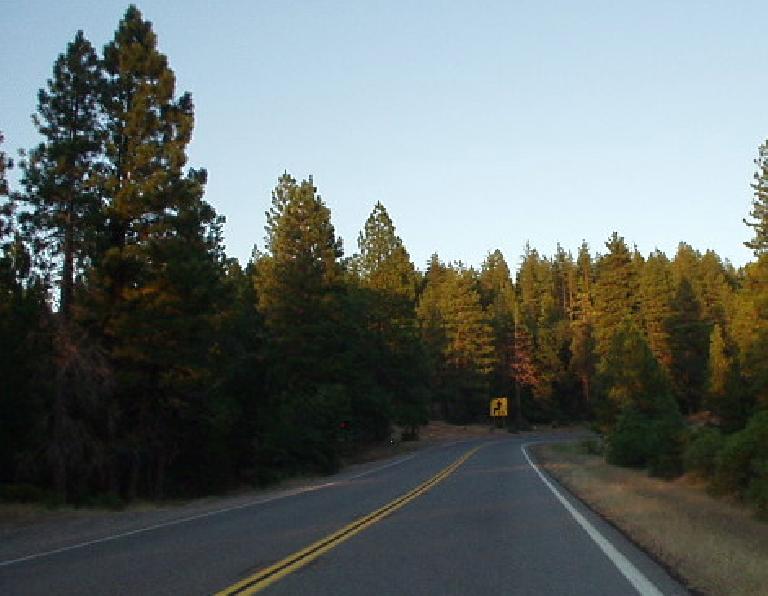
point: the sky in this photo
(479, 125)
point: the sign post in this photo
(499, 410)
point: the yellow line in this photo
(265, 577)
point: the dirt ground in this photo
(715, 546)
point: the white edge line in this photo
(167, 524)
(374, 470)
(641, 583)
(190, 518)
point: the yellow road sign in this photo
(499, 406)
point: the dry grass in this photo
(717, 547)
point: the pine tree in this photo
(759, 212)
(583, 359)
(689, 343)
(459, 338)
(61, 217)
(725, 388)
(523, 366)
(299, 278)
(25, 347)
(146, 134)
(498, 298)
(716, 287)
(657, 292)
(388, 280)
(383, 262)
(63, 206)
(155, 284)
(749, 330)
(616, 292)
(629, 376)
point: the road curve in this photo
(485, 522)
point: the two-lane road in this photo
(447, 520)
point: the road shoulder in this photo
(715, 547)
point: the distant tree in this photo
(749, 330)
(299, 280)
(725, 387)
(583, 359)
(616, 292)
(657, 292)
(385, 272)
(689, 344)
(629, 376)
(523, 368)
(383, 262)
(459, 337)
(498, 298)
(312, 332)
(759, 213)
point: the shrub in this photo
(732, 464)
(742, 464)
(639, 440)
(665, 459)
(628, 444)
(700, 454)
(758, 486)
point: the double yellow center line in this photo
(265, 577)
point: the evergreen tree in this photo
(616, 292)
(384, 264)
(759, 212)
(583, 359)
(657, 292)
(498, 298)
(387, 274)
(312, 330)
(155, 284)
(299, 281)
(689, 343)
(629, 376)
(61, 218)
(716, 287)
(25, 349)
(63, 206)
(523, 368)
(460, 339)
(725, 391)
(749, 324)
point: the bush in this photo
(639, 440)
(742, 464)
(757, 492)
(700, 454)
(628, 444)
(732, 464)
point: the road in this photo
(482, 520)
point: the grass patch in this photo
(716, 546)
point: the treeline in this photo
(138, 360)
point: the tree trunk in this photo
(68, 274)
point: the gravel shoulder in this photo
(715, 546)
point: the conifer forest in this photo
(138, 360)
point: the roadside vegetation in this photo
(138, 360)
(715, 545)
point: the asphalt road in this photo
(490, 526)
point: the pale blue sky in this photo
(479, 125)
